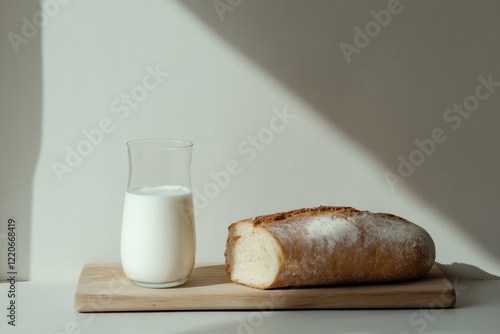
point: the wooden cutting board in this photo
(104, 288)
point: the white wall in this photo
(227, 79)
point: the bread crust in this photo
(340, 245)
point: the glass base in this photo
(159, 285)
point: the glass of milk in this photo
(158, 233)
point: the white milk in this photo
(158, 237)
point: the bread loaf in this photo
(326, 245)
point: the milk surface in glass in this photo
(152, 215)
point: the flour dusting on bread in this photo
(326, 245)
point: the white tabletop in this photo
(48, 308)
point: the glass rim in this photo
(159, 143)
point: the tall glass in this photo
(158, 233)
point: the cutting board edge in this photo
(89, 303)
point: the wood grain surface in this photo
(104, 288)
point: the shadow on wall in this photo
(417, 84)
(20, 126)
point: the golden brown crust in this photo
(278, 217)
(386, 247)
